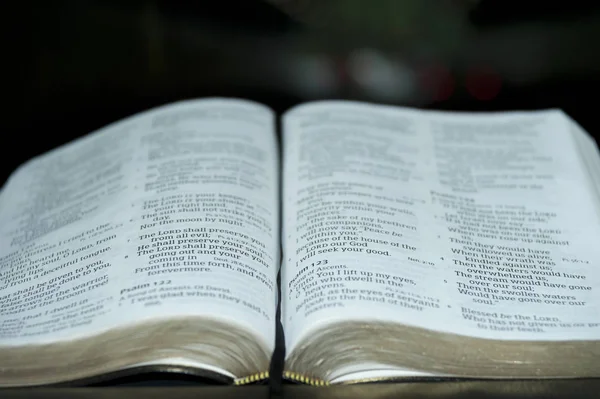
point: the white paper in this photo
(481, 225)
(169, 213)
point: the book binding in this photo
(304, 379)
(258, 377)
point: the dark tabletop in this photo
(69, 67)
(440, 390)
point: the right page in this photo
(482, 225)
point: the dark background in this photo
(69, 67)
(74, 66)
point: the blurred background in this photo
(74, 66)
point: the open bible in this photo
(409, 244)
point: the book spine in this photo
(251, 378)
(304, 379)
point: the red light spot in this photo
(483, 83)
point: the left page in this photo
(169, 213)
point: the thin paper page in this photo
(169, 213)
(482, 225)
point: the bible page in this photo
(169, 213)
(484, 225)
